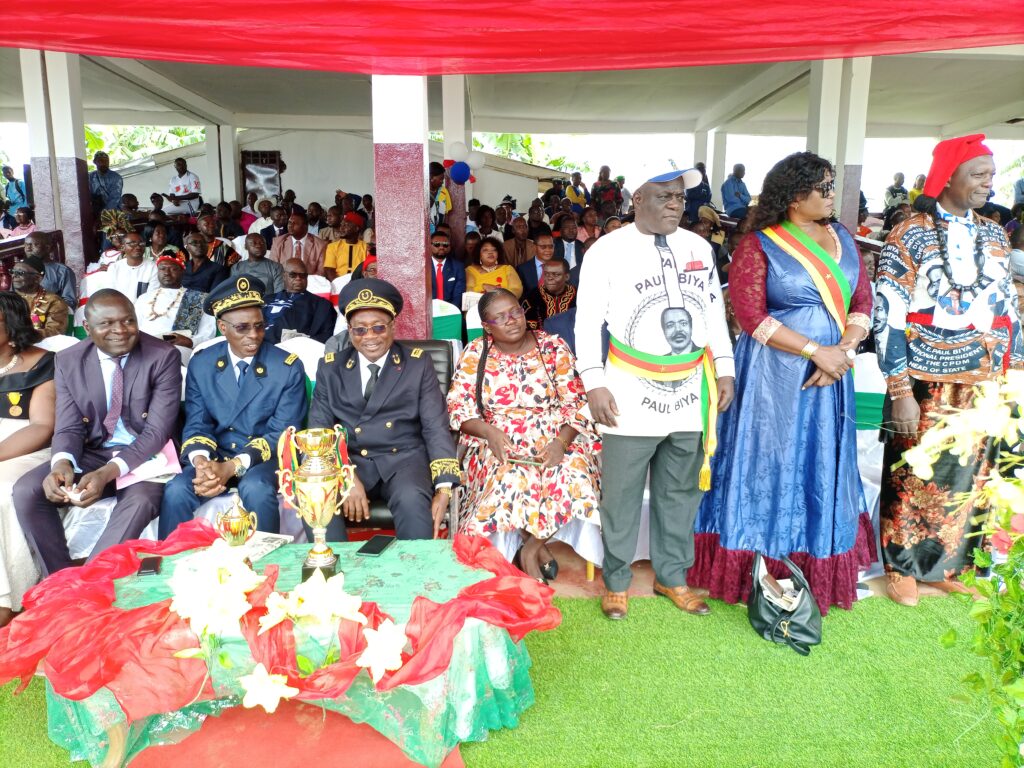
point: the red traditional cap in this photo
(173, 259)
(355, 218)
(947, 156)
(369, 260)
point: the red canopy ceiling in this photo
(486, 36)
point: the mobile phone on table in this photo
(150, 566)
(375, 546)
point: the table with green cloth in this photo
(486, 685)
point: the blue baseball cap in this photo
(691, 177)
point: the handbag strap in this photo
(783, 623)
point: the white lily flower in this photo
(265, 690)
(384, 647)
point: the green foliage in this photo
(1009, 174)
(129, 142)
(525, 148)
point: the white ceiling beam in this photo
(989, 52)
(304, 122)
(165, 89)
(139, 117)
(756, 95)
(980, 120)
(544, 125)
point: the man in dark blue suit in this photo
(452, 272)
(296, 309)
(530, 270)
(239, 397)
(567, 246)
(279, 217)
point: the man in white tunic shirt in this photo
(669, 365)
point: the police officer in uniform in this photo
(387, 398)
(239, 397)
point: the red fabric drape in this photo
(484, 37)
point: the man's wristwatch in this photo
(239, 466)
(447, 491)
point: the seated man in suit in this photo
(278, 226)
(388, 400)
(118, 395)
(531, 272)
(554, 296)
(297, 312)
(299, 244)
(447, 275)
(567, 246)
(239, 397)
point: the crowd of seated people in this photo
(178, 276)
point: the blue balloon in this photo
(459, 172)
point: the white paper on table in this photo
(262, 544)
(159, 469)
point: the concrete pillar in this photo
(400, 178)
(229, 163)
(40, 140)
(213, 188)
(716, 168)
(853, 116)
(67, 127)
(823, 107)
(453, 106)
(700, 147)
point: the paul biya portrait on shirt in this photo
(663, 328)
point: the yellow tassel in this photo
(704, 481)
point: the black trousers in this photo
(40, 520)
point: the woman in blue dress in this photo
(785, 481)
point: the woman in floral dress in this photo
(530, 467)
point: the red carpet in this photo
(296, 736)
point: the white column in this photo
(453, 114)
(229, 164)
(700, 147)
(853, 117)
(64, 93)
(400, 179)
(717, 166)
(213, 189)
(40, 140)
(823, 107)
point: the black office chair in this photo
(441, 356)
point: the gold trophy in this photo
(317, 487)
(234, 524)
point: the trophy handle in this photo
(287, 460)
(253, 522)
(346, 479)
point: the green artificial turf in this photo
(665, 689)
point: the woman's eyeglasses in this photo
(503, 317)
(378, 329)
(826, 188)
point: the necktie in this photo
(440, 281)
(297, 253)
(116, 396)
(242, 368)
(374, 370)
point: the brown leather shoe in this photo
(615, 605)
(684, 598)
(951, 585)
(901, 589)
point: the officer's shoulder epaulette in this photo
(291, 359)
(416, 352)
(329, 358)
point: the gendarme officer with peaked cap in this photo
(387, 397)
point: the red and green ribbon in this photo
(677, 368)
(828, 278)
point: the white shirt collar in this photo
(235, 360)
(966, 221)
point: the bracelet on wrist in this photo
(565, 444)
(809, 349)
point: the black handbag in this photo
(783, 611)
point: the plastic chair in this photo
(447, 320)
(474, 327)
(57, 343)
(319, 286)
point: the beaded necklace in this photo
(981, 280)
(152, 314)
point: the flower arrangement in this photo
(216, 588)
(997, 413)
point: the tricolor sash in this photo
(828, 278)
(677, 368)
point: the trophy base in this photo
(328, 570)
